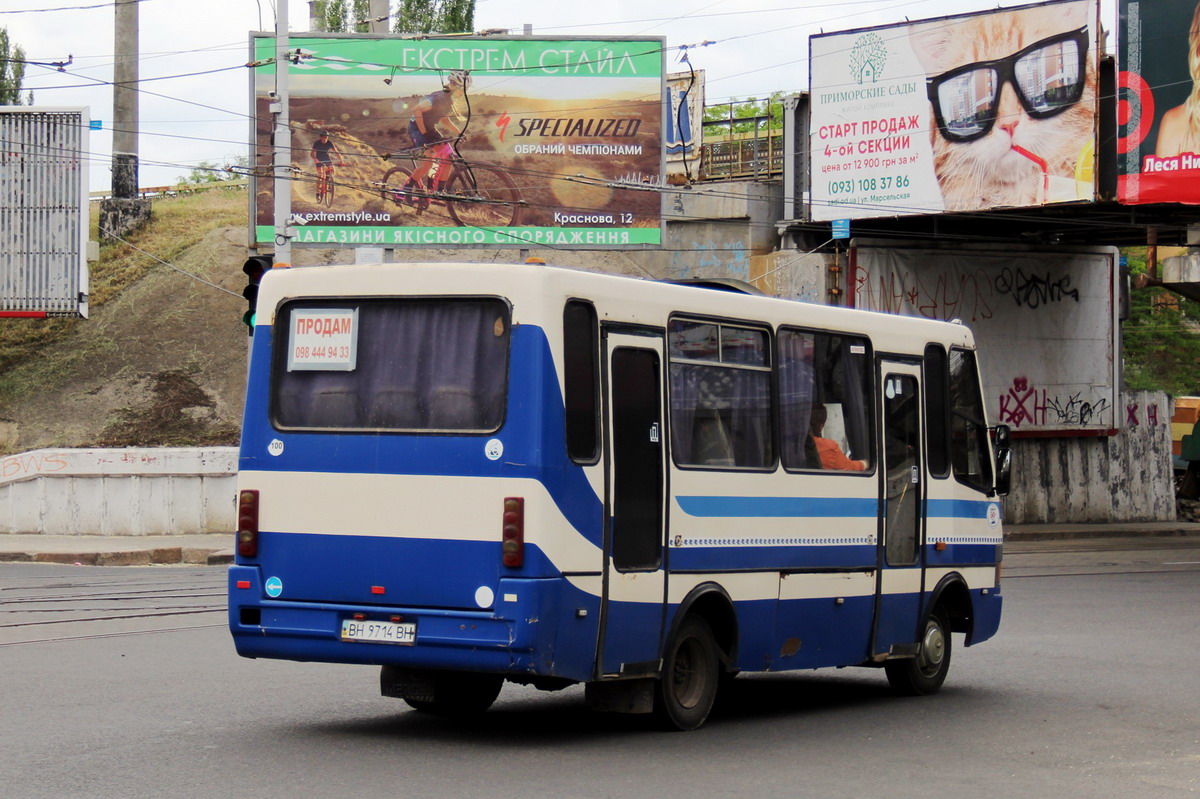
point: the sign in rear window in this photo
(324, 339)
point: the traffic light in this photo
(255, 267)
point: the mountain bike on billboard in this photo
(476, 195)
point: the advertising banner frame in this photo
(560, 134)
(879, 148)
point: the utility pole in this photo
(379, 13)
(125, 211)
(283, 141)
(125, 102)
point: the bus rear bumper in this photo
(516, 636)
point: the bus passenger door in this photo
(901, 574)
(634, 443)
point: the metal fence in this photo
(742, 139)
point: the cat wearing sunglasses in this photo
(1011, 98)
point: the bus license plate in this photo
(380, 632)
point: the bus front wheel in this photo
(688, 686)
(925, 673)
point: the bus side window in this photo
(834, 371)
(581, 395)
(968, 431)
(937, 418)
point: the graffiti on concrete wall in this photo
(1035, 291)
(939, 295)
(1023, 404)
(32, 463)
(1043, 321)
(1134, 414)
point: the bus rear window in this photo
(394, 364)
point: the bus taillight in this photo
(512, 546)
(247, 534)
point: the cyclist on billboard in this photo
(324, 150)
(436, 120)
(323, 153)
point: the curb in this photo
(162, 556)
(1098, 531)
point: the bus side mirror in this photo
(1003, 436)
(1003, 460)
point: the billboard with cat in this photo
(1158, 149)
(962, 113)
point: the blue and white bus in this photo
(468, 474)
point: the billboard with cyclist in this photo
(466, 141)
(962, 113)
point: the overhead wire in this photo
(72, 8)
(899, 209)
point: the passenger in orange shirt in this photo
(830, 453)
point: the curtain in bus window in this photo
(422, 365)
(845, 380)
(796, 385)
(720, 416)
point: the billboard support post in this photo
(283, 141)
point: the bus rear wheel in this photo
(688, 686)
(925, 673)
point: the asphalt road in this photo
(122, 682)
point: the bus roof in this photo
(538, 291)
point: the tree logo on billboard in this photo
(868, 57)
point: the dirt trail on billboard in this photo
(162, 359)
(372, 136)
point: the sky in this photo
(195, 91)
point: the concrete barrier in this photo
(152, 491)
(1126, 477)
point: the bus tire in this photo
(925, 673)
(687, 688)
(460, 694)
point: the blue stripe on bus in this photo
(757, 558)
(957, 508)
(779, 507)
(825, 507)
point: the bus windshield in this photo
(391, 364)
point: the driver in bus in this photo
(830, 453)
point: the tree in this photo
(1160, 339)
(212, 172)
(435, 16)
(412, 16)
(749, 115)
(360, 12)
(12, 71)
(334, 15)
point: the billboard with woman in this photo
(1158, 150)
